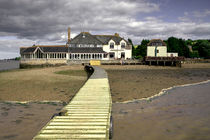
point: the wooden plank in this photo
(88, 131)
(87, 117)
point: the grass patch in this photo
(72, 72)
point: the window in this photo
(105, 55)
(157, 44)
(157, 51)
(80, 45)
(112, 45)
(122, 54)
(111, 55)
(122, 45)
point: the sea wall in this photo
(190, 61)
(107, 62)
(28, 63)
(24, 63)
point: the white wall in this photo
(162, 51)
(172, 54)
(117, 49)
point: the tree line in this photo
(187, 48)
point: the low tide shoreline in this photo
(137, 82)
(163, 92)
(182, 113)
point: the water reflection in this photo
(9, 64)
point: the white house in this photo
(84, 46)
(158, 48)
(116, 47)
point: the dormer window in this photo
(83, 35)
(157, 44)
(112, 45)
(122, 45)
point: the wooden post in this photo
(172, 63)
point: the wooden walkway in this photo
(88, 114)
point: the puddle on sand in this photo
(24, 121)
(183, 114)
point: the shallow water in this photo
(24, 121)
(8, 65)
(181, 114)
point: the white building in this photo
(84, 46)
(158, 48)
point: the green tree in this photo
(178, 45)
(194, 54)
(17, 58)
(133, 48)
(141, 50)
(203, 48)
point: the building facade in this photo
(158, 48)
(84, 46)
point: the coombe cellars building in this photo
(82, 48)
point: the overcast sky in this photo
(28, 22)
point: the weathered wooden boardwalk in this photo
(88, 114)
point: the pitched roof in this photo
(29, 50)
(85, 38)
(64, 50)
(106, 38)
(45, 48)
(156, 41)
(54, 49)
(86, 50)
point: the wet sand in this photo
(24, 121)
(181, 114)
(135, 82)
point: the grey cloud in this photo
(34, 19)
(46, 22)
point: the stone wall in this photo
(106, 62)
(189, 61)
(24, 63)
(43, 61)
(29, 63)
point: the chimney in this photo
(69, 34)
(116, 34)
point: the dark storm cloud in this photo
(36, 19)
(29, 18)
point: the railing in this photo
(148, 58)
